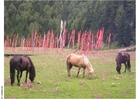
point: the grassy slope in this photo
(51, 72)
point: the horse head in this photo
(91, 70)
(118, 68)
(90, 73)
(89, 66)
(32, 72)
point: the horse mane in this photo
(87, 62)
(122, 50)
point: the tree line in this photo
(116, 17)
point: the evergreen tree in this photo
(117, 17)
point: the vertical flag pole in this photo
(109, 40)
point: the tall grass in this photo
(52, 82)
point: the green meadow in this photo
(51, 79)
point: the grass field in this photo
(52, 74)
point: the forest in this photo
(116, 17)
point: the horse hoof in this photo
(11, 84)
(119, 73)
(18, 84)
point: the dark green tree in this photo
(117, 17)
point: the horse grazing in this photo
(21, 63)
(80, 61)
(123, 57)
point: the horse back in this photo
(26, 63)
(16, 60)
(20, 63)
(122, 57)
(75, 60)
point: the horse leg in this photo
(12, 74)
(20, 74)
(125, 67)
(84, 72)
(18, 78)
(118, 67)
(78, 71)
(26, 76)
(129, 66)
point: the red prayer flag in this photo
(78, 41)
(99, 43)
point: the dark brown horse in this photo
(123, 57)
(21, 63)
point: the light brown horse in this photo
(80, 61)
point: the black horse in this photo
(123, 57)
(21, 63)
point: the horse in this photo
(123, 57)
(80, 61)
(21, 63)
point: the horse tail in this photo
(32, 73)
(67, 61)
(129, 66)
(69, 65)
(12, 71)
(128, 63)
